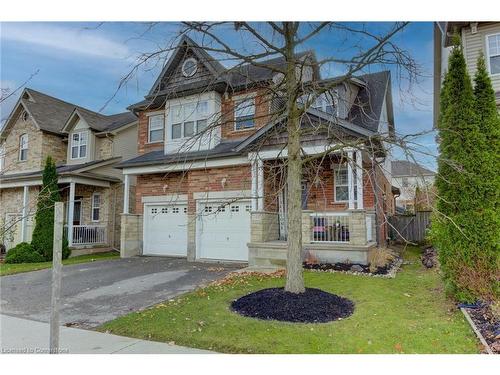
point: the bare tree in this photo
(291, 92)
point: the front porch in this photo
(327, 237)
(92, 207)
(338, 210)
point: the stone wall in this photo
(357, 227)
(131, 235)
(264, 227)
(35, 143)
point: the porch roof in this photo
(223, 149)
(81, 170)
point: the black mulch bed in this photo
(312, 306)
(360, 268)
(486, 323)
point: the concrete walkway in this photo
(28, 336)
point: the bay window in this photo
(79, 145)
(156, 128)
(188, 119)
(493, 49)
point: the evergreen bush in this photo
(23, 253)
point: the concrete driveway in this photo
(93, 293)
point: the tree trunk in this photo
(294, 277)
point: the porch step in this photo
(274, 254)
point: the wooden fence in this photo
(409, 227)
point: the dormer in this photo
(81, 139)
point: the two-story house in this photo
(212, 159)
(414, 183)
(477, 38)
(85, 146)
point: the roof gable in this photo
(207, 69)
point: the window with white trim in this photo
(79, 142)
(189, 119)
(493, 48)
(156, 128)
(325, 102)
(341, 183)
(23, 147)
(96, 206)
(244, 114)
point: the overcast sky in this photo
(83, 63)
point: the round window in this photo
(189, 67)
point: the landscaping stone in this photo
(429, 257)
(357, 268)
(312, 306)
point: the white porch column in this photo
(254, 184)
(126, 193)
(260, 185)
(71, 209)
(359, 178)
(24, 217)
(350, 179)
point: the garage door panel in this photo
(165, 230)
(224, 231)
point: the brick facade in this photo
(189, 182)
(261, 114)
(142, 135)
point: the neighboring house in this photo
(477, 38)
(85, 146)
(215, 197)
(412, 179)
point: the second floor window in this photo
(244, 114)
(493, 48)
(79, 145)
(189, 119)
(325, 103)
(156, 128)
(23, 147)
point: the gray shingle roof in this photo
(223, 149)
(61, 170)
(367, 108)
(51, 114)
(406, 168)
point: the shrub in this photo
(23, 253)
(43, 234)
(465, 225)
(380, 257)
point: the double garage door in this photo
(222, 230)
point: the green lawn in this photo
(10, 269)
(408, 314)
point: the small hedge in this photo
(23, 253)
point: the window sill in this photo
(153, 143)
(243, 130)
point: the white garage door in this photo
(223, 230)
(165, 230)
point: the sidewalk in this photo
(27, 336)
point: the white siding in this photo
(474, 44)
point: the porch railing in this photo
(88, 234)
(330, 227)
